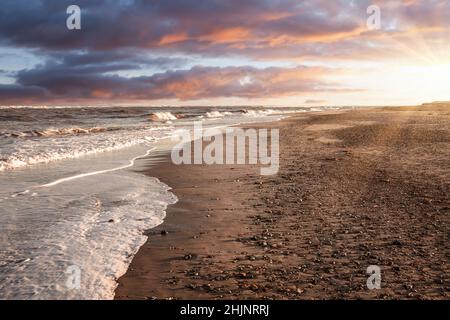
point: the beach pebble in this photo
(189, 256)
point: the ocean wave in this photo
(163, 116)
(52, 132)
(101, 232)
(253, 113)
(39, 151)
(217, 114)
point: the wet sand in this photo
(355, 188)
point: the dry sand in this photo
(363, 187)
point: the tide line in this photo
(83, 175)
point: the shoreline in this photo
(346, 197)
(184, 224)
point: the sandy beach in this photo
(187, 153)
(355, 188)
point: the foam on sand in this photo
(97, 234)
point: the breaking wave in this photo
(217, 114)
(57, 147)
(254, 113)
(163, 116)
(52, 132)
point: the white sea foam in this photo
(94, 173)
(163, 116)
(37, 151)
(258, 113)
(50, 132)
(98, 234)
(217, 114)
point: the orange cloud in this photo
(227, 35)
(173, 38)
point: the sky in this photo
(225, 52)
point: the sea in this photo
(74, 201)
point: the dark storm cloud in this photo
(60, 81)
(134, 35)
(197, 25)
(136, 59)
(163, 24)
(13, 93)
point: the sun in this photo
(420, 83)
(439, 73)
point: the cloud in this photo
(180, 24)
(137, 37)
(313, 101)
(198, 25)
(54, 81)
(13, 93)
